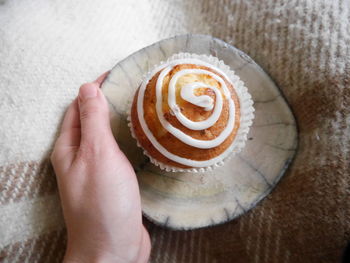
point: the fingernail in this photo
(87, 91)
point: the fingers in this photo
(69, 138)
(101, 78)
(71, 118)
(70, 130)
(90, 107)
(94, 113)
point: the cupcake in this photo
(191, 113)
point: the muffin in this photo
(191, 113)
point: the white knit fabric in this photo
(49, 48)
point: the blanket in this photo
(49, 48)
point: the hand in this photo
(97, 185)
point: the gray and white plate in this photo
(187, 200)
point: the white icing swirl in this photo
(204, 101)
(188, 93)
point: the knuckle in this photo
(90, 111)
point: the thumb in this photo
(94, 114)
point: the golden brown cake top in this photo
(186, 114)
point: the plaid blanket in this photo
(48, 48)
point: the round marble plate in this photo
(187, 200)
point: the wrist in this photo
(91, 257)
(86, 255)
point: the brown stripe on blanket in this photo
(23, 180)
(49, 247)
(179, 246)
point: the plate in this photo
(186, 200)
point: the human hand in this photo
(97, 185)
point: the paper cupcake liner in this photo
(246, 108)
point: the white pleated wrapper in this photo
(246, 109)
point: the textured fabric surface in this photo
(48, 48)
